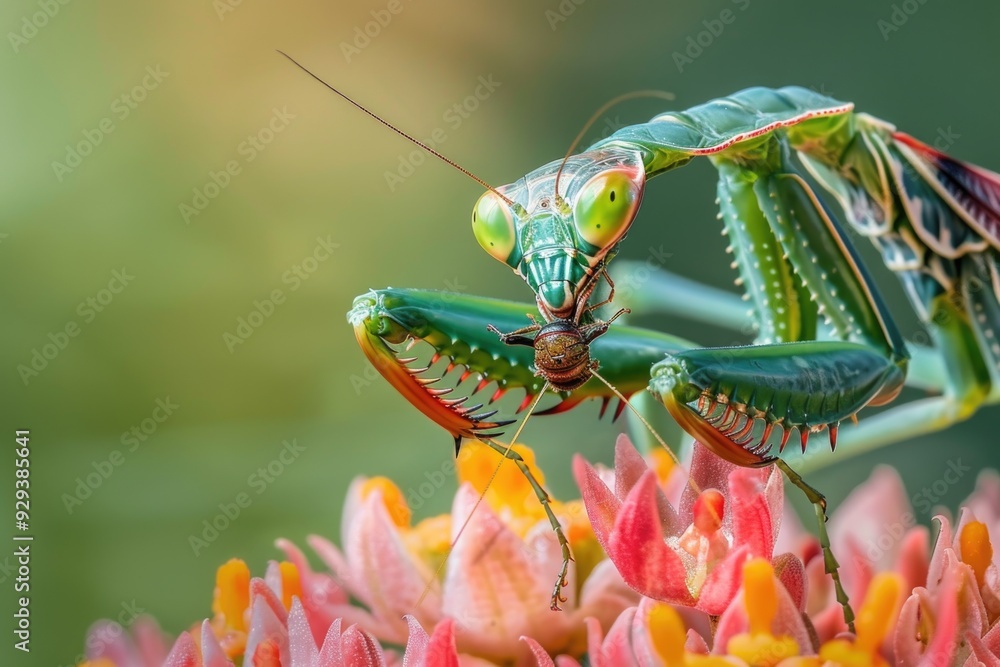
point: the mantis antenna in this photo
(660, 94)
(400, 132)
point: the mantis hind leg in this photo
(797, 265)
(830, 563)
(546, 501)
(965, 326)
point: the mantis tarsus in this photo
(826, 345)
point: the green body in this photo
(826, 345)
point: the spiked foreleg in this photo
(650, 290)
(387, 322)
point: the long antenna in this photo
(661, 94)
(693, 484)
(400, 132)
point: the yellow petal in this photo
(290, 583)
(663, 464)
(508, 488)
(393, 498)
(877, 615)
(232, 593)
(762, 650)
(977, 551)
(845, 654)
(759, 596)
(666, 630)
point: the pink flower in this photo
(691, 556)
(949, 622)
(499, 576)
(873, 530)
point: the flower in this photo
(733, 601)
(691, 555)
(500, 575)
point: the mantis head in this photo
(559, 239)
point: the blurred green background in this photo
(208, 78)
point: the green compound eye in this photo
(493, 225)
(606, 205)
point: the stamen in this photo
(291, 585)
(392, 498)
(977, 550)
(877, 615)
(666, 631)
(232, 593)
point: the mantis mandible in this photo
(826, 345)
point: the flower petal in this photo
(875, 515)
(629, 467)
(268, 631)
(322, 598)
(723, 582)
(441, 649)
(360, 649)
(616, 649)
(184, 653)
(981, 654)
(637, 549)
(541, 656)
(787, 621)
(602, 505)
(753, 524)
(499, 586)
(708, 471)
(331, 654)
(792, 575)
(386, 576)
(150, 642)
(416, 644)
(212, 654)
(301, 644)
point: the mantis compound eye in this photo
(493, 225)
(606, 204)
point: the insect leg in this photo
(546, 501)
(830, 563)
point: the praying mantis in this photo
(826, 345)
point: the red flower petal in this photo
(753, 525)
(360, 649)
(637, 549)
(723, 582)
(602, 505)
